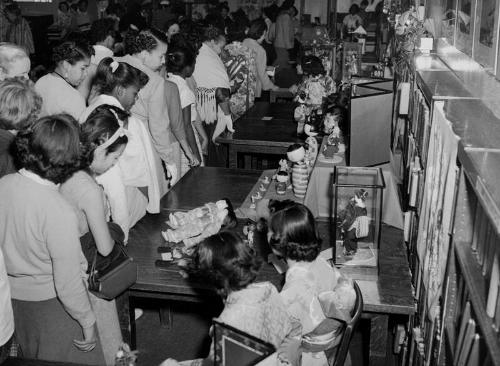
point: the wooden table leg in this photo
(233, 157)
(133, 331)
(166, 317)
(378, 339)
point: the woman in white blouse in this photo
(58, 88)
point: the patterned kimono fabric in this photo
(242, 71)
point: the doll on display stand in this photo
(300, 175)
(354, 222)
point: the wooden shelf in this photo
(477, 287)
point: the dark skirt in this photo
(217, 153)
(45, 331)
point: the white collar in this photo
(103, 50)
(36, 178)
(107, 99)
(174, 77)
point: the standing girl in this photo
(180, 65)
(133, 185)
(104, 141)
(42, 250)
(58, 88)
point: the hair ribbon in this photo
(114, 65)
(120, 132)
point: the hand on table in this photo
(89, 340)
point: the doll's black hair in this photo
(312, 65)
(230, 221)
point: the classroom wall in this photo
(34, 9)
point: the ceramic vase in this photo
(300, 179)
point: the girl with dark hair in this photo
(158, 105)
(213, 91)
(180, 66)
(58, 88)
(104, 140)
(293, 234)
(42, 250)
(255, 38)
(231, 266)
(118, 84)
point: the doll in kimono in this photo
(354, 222)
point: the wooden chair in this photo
(343, 347)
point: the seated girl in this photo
(133, 184)
(311, 283)
(253, 307)
(19, 108)
(104, 141)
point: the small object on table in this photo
(167, 256)
(300, 175)
(256, 197)
(266, 180)
(252, 206)
(262, 188)
(281, 181)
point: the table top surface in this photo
(264, 124)
(389, 293)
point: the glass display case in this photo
(357, 202)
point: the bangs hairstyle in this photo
(227, 261)
(257, 29)
(72, 52)
(98, 128)
(9, 54)
(20, 104)
(50, 148)
(295, 234)
(138, 41)
(179, 58)
(125, 75)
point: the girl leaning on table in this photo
(180, 65)
(311, 284)
(252, 307)
(132, 186)
(103, 140)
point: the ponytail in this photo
(111, 74)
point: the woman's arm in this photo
(261, 63)
(190, 134)
(194, 159)
(203, 136)
(95, 214)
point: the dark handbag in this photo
(111, 275)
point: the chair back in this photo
(343, 347)
(233, 347)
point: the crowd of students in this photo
(94, 144)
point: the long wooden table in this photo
(384, 296)
(256, 134)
